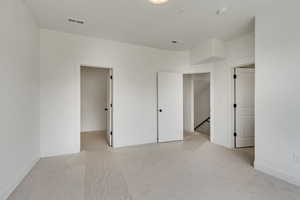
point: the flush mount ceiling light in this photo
(158, 1)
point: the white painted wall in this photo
(188, 103)
(277, 64)
(211, 50)
(19, 80)
(93, 98)
(135, 107)
(277, 91)
(134, 91)
(239, 51)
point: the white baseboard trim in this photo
(13, 184)
(265, 168)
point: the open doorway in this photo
(96, 107)
(197, 104)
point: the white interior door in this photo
(170, 106)
(245, 100)
(109, 108)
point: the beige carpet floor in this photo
(190, 170)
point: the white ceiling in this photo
(139, 22)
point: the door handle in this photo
(106, 109)
(160, 110)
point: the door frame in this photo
(233, 100)
(112, 96)
(211, 102)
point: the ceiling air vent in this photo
(77, 21)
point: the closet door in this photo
(170, 106)
(245, 99)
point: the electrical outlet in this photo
(296, 158)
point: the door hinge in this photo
(111, 77)
(111, 105)
(111, 133)
(234, 76)
(234, 134)
(234, 105)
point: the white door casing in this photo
(170, 106)
(109, 108)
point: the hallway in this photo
(192, 170)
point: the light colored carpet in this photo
(190, 170)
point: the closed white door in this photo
(109, 108)
(170, 106)
(245, 99)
